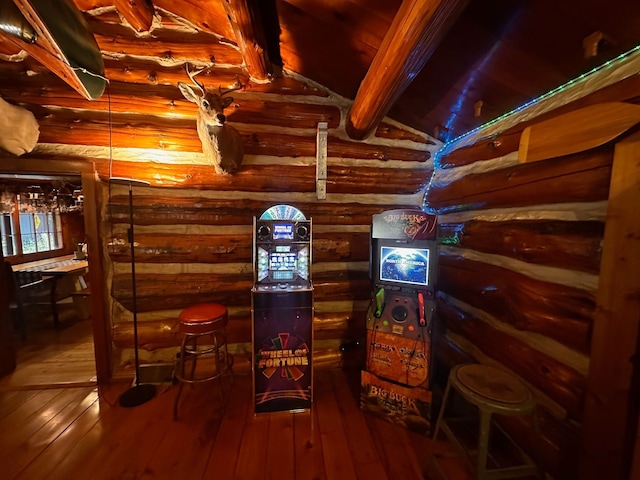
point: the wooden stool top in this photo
(492, 383)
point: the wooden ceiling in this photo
(440, 67)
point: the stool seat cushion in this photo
(203, 312)
(203, 318)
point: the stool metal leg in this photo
(192, 352)
(228, 361)
(483, 444)
(476, 385)
(536, 428)
(189, 351)
(223, 364)
(219, 368)
(180, 375)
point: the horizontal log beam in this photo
(175, 291)
(392, 132)
(341, 247)
(324, 358)
(161, 100)
(201, 248)
(188, 248)
(566, 315)
(151, 73)
(484, 149)
(571, 245)
(165, 332)
(582, 177)
(562, 384)
(179, 134)
(207, 16)
(555, 450)
(393, 182)
(274, 178)
(160, 210)
(166, 44)
(508, 141)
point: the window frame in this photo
(17, 235)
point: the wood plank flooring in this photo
(55, 423)
(83, 433)
(54, 357)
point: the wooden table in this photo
(63, 265)
(58, 269)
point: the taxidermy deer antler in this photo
(221, 143)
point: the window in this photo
(30, 229)
(40, 232)
(8, 235)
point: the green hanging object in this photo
(60, 25)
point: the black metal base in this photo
(137, 395)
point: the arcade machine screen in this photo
(282, 263)
(283, 231)
(404, 265)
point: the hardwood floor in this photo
(83, 433)
(55, 423)
(52, 357)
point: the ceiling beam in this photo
(139, 13)
(415, 32)
(244, 19)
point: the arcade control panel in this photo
(408, 314)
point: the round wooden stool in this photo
(491, 391)
(203, 327)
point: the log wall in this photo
(193, 228)
(520, 243)
(520, 251)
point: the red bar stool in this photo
(204, 336)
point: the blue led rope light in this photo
(558, 89)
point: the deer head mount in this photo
(221, 143)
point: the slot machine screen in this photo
(283, 231)
(283, 263)
(404, 265)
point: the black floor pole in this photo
(133, 285)
(139, 393)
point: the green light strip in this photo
(562, 87)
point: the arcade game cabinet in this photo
(282, 311)
(403, 254)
